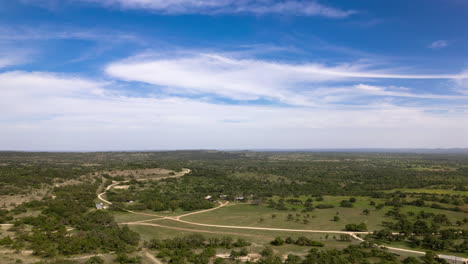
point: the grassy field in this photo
(262, 216)
(405, 245)
(242, 214)
(452, 215)
(320, 219)
(124, 217)
(258, 238)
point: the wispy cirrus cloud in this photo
(6, 61)
(254, 79)
(28, 33)
(439, 44)
(213, 7)
(22, 44)
(12, 56)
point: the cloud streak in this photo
(439, 44)
(252, 79)
(213, 7)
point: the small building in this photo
(453, 259)
(240, 198)
(208, 197)
(223, 196)
(101, 206)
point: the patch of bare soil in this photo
(464, 208)
(10, 201)
(121, 187)
(9, 256)
(90, 164)
(249, 257)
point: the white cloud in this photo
(40, 83)
(5, 62)
(11, 56)
(402, 92)
(249, 79)
(439, 44)
(461, 84)
(296, 7)
(60, 112)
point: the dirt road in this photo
(178, 219)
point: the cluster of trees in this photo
(348, 203)
(440, 243)
(352, 254)
(19, 179)
(308, 204)
(399, 202)
(424, 229)
(455, 240)
(168, 194)
(356, 227)
(93, 230)
(183, 249)
(197, 241)
(5, 216)
(457, 199)
(300, 241)
(422, 223)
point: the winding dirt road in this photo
(178, 219)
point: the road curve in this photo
(179, 174)
(178, 219)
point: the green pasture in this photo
(262, 216)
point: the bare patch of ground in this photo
(464, 208)
(9, 256)
(61, 183)
(10, 201)
(90, 164)
(121, 187)
(249, 257)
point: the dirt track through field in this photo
(191, 230)
(178, 219)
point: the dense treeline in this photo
(182, 249)
(67, 226)
(16, 179)
(362, 253)
(295, 173)
(424, 229)
(257, 176)
(168, 194)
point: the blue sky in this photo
(233, 74)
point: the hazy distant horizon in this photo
(321, 150)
